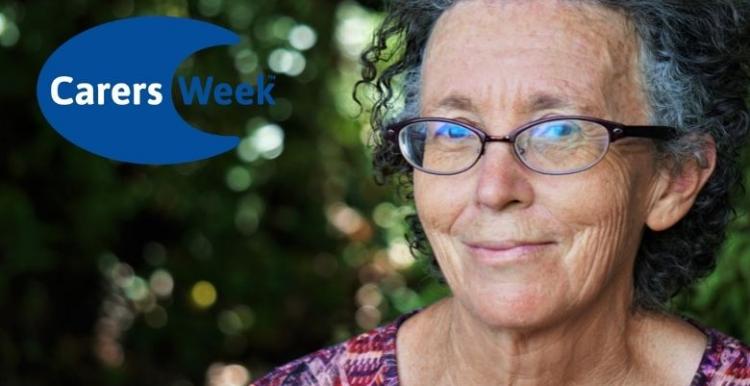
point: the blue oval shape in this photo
(131, 119)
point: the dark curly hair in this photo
(694, 57)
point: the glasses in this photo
(554, 145)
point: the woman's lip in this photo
(506, 252)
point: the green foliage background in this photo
(300, 248)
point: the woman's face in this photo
(520, 248)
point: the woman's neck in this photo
(583, 347)
(607, 345)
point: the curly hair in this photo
(694, 59)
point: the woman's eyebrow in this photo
(536, 102)
(545, 101)
(456, 102)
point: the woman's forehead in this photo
(536, 51)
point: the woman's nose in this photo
(502, 180)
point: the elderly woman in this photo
(571, 163)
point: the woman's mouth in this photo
(506, 252)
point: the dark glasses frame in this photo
(616, 131)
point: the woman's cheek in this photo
(439, 200)
(601, 219)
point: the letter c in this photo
(56, 95)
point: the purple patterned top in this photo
(369, 359)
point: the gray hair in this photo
(694, 61)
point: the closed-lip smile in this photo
(503, 252)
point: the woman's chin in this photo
(516, 309)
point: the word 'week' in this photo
(65, 91)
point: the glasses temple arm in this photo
(657, 132)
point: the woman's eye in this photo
(556, 130)
(452, 131)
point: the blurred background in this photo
(213, 272)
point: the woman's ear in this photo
(680, 186)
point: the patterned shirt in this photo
(369, 359)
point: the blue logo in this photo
(108, 90)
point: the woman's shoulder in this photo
(726, 360)
(368, 359)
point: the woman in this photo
(571, 163)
